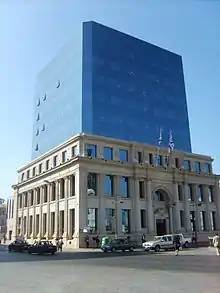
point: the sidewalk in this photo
(71, 249)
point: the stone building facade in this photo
(3, 218)
(97, 186)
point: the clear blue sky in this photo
(33, 31)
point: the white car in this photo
(159, 242)
(185, 241)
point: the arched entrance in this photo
(162, 216)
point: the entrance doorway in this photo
(161, 227)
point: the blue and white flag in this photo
(160, 138)
(171, 143)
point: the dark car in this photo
(119, 244)
(18, 246)
(42, 247)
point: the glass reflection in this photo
(92, 150)
(123, 155)
(125, 186)
(125, 217)
(110, 219)
(108, 153)
(109, 180)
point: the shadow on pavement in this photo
(138, 260)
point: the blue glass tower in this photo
(114, 85)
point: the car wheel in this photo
(113, 249)
(186, 245)
(157, 248)
(131, 249)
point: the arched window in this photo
(159, 196)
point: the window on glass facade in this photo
(36, 147)
(207, 168)
(40, 168)
(158, 196)
(28, 174)
(202, 220)
(200, 193)
(197, 167)
(190, 193)
(109, 185)
(187, 165)
(110, 223)
(64, 156)
(125, 220)
(34, 171)
(37, 132)
(55, 161)
(43, 127)
(91, 150)
(38, 102)
(140, 157)
(143, 219)
(182, 219)
(125, 187)
(123, 155)
(180, 192)
(213, 220)
(210, 194)
(38, 117)
(141, 189)
(44, 97)
(92, 184)
(92, 219)
(151, 159)
(108, 153)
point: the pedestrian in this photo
(216, 243)
(97, 240)
(87, 241)
(61, 244)
(177, 244)
(143, 238)
(57, 244)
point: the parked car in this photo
(42, 247)
(18, 246)
(119, 245)
(158, 243)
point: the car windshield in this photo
(157, 237)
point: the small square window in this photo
(55, 159)
(108, 153)
(40, 168)
(123, 155)
(91, 150)
(47, 164)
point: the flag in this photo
(157, 157)
(171, 143)
(160, 138)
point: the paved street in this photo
(194, 271)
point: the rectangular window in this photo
(53, 191)
(192, 221)
(202, 220)
(158, 160)
(187, 165)
(200, 193)
(210, 194)
(64, 156)
(108, 153)
(47, 165)
(110, 220)
(123, 155)
(92, 184)
(125, 187)
(55, 161)
(34, 171)
(141, 189)
(177, 163)
(151, 159)
(40, 168)
(197, 167)
(190, 192)
(180, 192)
(28, 174)
(213, 220)
(140, 157)
(143, 219)
(32, 198)
(182, 219)
(74, 151)
(166, 161)
(92, 219)
(125, 220)
(22, 177)
(38, 195)
(206, 168)
(73, 185)
(109, 185)
(92, 150)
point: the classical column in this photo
(49, 196)
(196, 208)
(101, 212)
(56, 228)
(118, 209)
(41, 212)
(34, 214)
(28, 215)
(150, 212)
(15, 216)
(208, 217)
(22, 215)
(137, 209)
(171, 219)
(187, 223)
(66, 182)
(217, 201)
(176, 208)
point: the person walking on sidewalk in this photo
(177, 244)
(216, 243)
